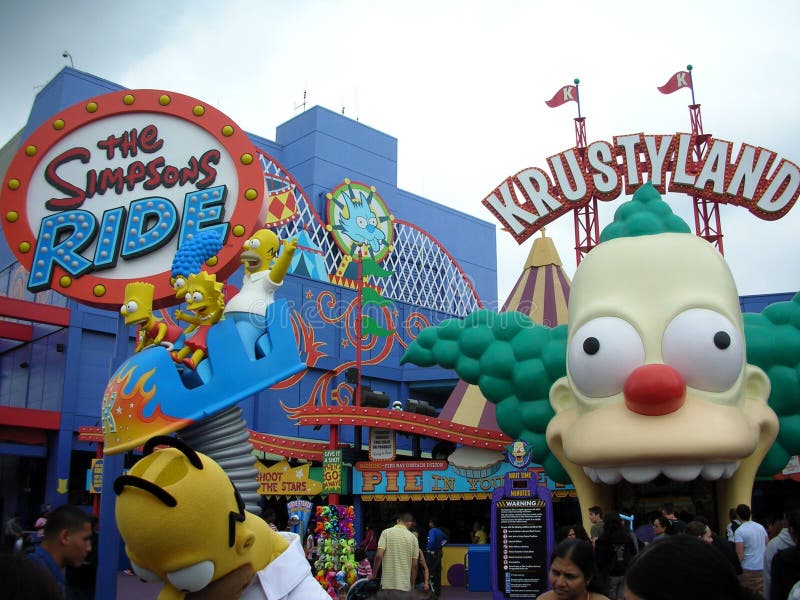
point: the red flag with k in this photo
(681, 79)
(568, 93)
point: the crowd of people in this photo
(611, 562)
(617, 563)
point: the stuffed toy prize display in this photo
(335, 569)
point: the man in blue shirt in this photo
(67, 540)
(433, 556)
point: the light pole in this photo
(66, 54)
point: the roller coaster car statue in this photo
(173, 379)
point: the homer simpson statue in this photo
(264, 271)
(650, 377)
(185, 525)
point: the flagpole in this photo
(691, 80)
(577, 81)
(359, 311)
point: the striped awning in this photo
(542, 293)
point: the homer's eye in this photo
(179, 283)
(705, 347)
(194, 578)
(197, 297)
(254, 244)
(361, 222)
(145, 574)
(601, 355)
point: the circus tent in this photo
(542, 293)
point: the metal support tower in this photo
(587, 228)
(707, 224)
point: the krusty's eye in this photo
(194, 578)
(601, 355)
(145, 574)
(705, 347)
(361, 222)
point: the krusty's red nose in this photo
(654, 390)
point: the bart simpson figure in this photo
(264, 273)
(138, 310)
(204, 298)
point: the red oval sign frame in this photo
(249, 205)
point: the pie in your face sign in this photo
(103, 194)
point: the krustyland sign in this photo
(104, 193)
(756, 179)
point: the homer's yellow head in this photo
(204, 296)
(183, 522)
(657, 377)
(138, 303)
(259, 251)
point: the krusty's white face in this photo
(657, 380)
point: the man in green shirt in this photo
(398, 553)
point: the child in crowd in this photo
(364, 569)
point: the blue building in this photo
(56, 355)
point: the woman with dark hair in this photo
(662, 528)
(613, 551)
(682, 566)
(572, 573)
(564, 532)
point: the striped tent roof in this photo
(542, 293)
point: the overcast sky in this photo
(460, 84)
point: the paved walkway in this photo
(132, 588)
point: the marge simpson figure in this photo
(184, 524)
(264, 271)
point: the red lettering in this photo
(209, 157)
(190, 173)
(136, 173)
(148, 140)
(111, 178)
(75, 195)
(169, 176)
(131, 141)
(154, 176)
(126, 144)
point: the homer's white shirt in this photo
(257, 293)
(288, 577)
